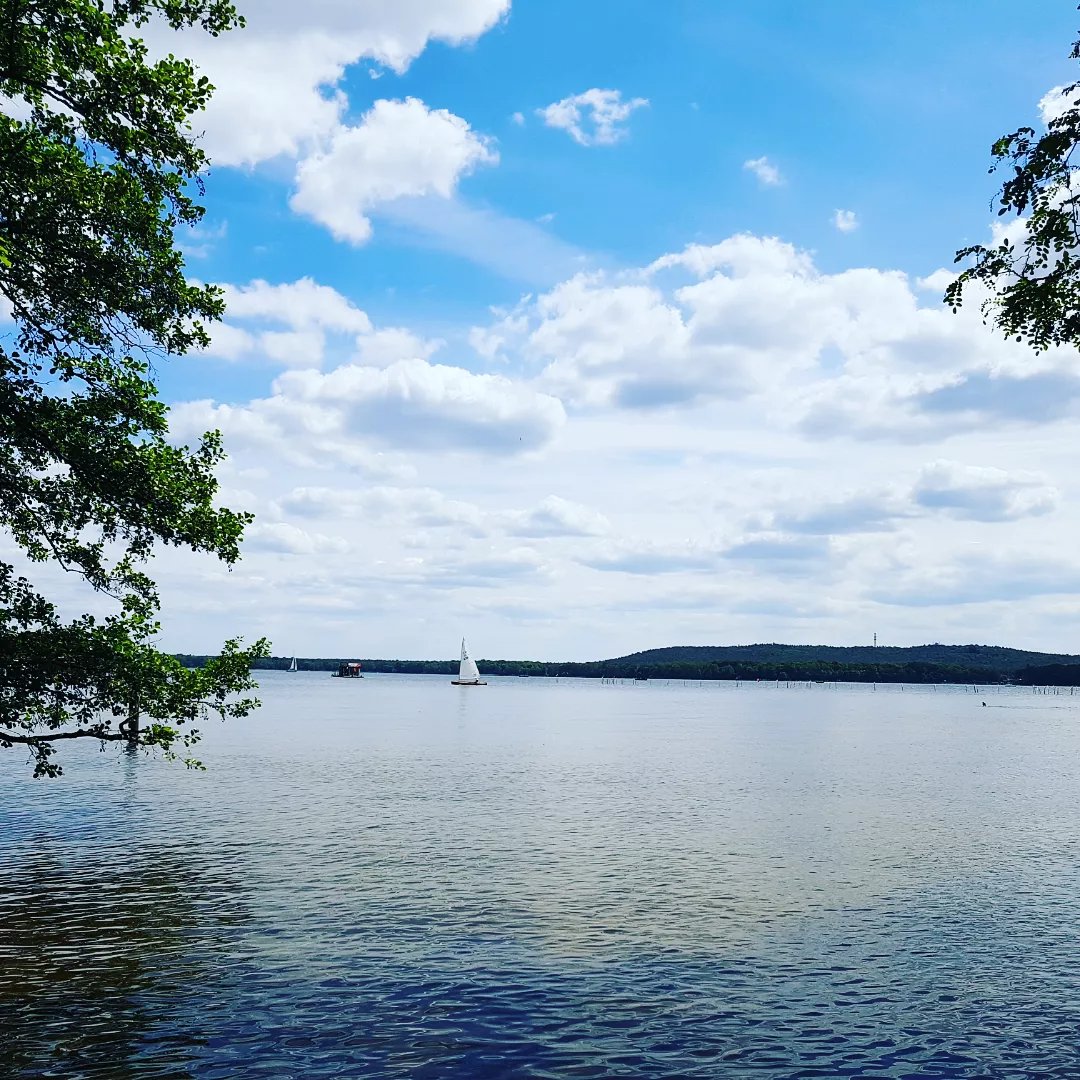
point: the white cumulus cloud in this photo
(288, 539)
(432, 406)
(767, 173)
(309, 312)
(347, 414)
(981, 493)
(411, 507)
(277, 81)
(593, 118)
(1055, 103)
(399, 148)
(300, 304)
(385, 347)
(758, 318)
(556, 516)
(845, 221)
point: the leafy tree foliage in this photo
(98, 167)
(1034, 278)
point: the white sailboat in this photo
(292, 666)
(468, 672)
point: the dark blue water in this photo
(400, 878)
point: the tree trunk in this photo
(131, 726)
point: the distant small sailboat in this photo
(292, 666)
(468, 672)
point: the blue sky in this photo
(583, 328)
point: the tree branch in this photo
(82, 733)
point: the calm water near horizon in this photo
(395, 877)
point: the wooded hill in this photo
(991, 657)
(811, 663)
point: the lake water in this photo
(395, 877)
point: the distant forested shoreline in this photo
(985, 664)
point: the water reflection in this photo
(102, 949)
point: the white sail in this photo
(292, 666)
(468, 671)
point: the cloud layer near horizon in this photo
(799, 450)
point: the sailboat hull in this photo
(467, 682)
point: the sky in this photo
(583, 328)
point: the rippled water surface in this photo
(399, 878)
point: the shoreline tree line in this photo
(958, 664)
